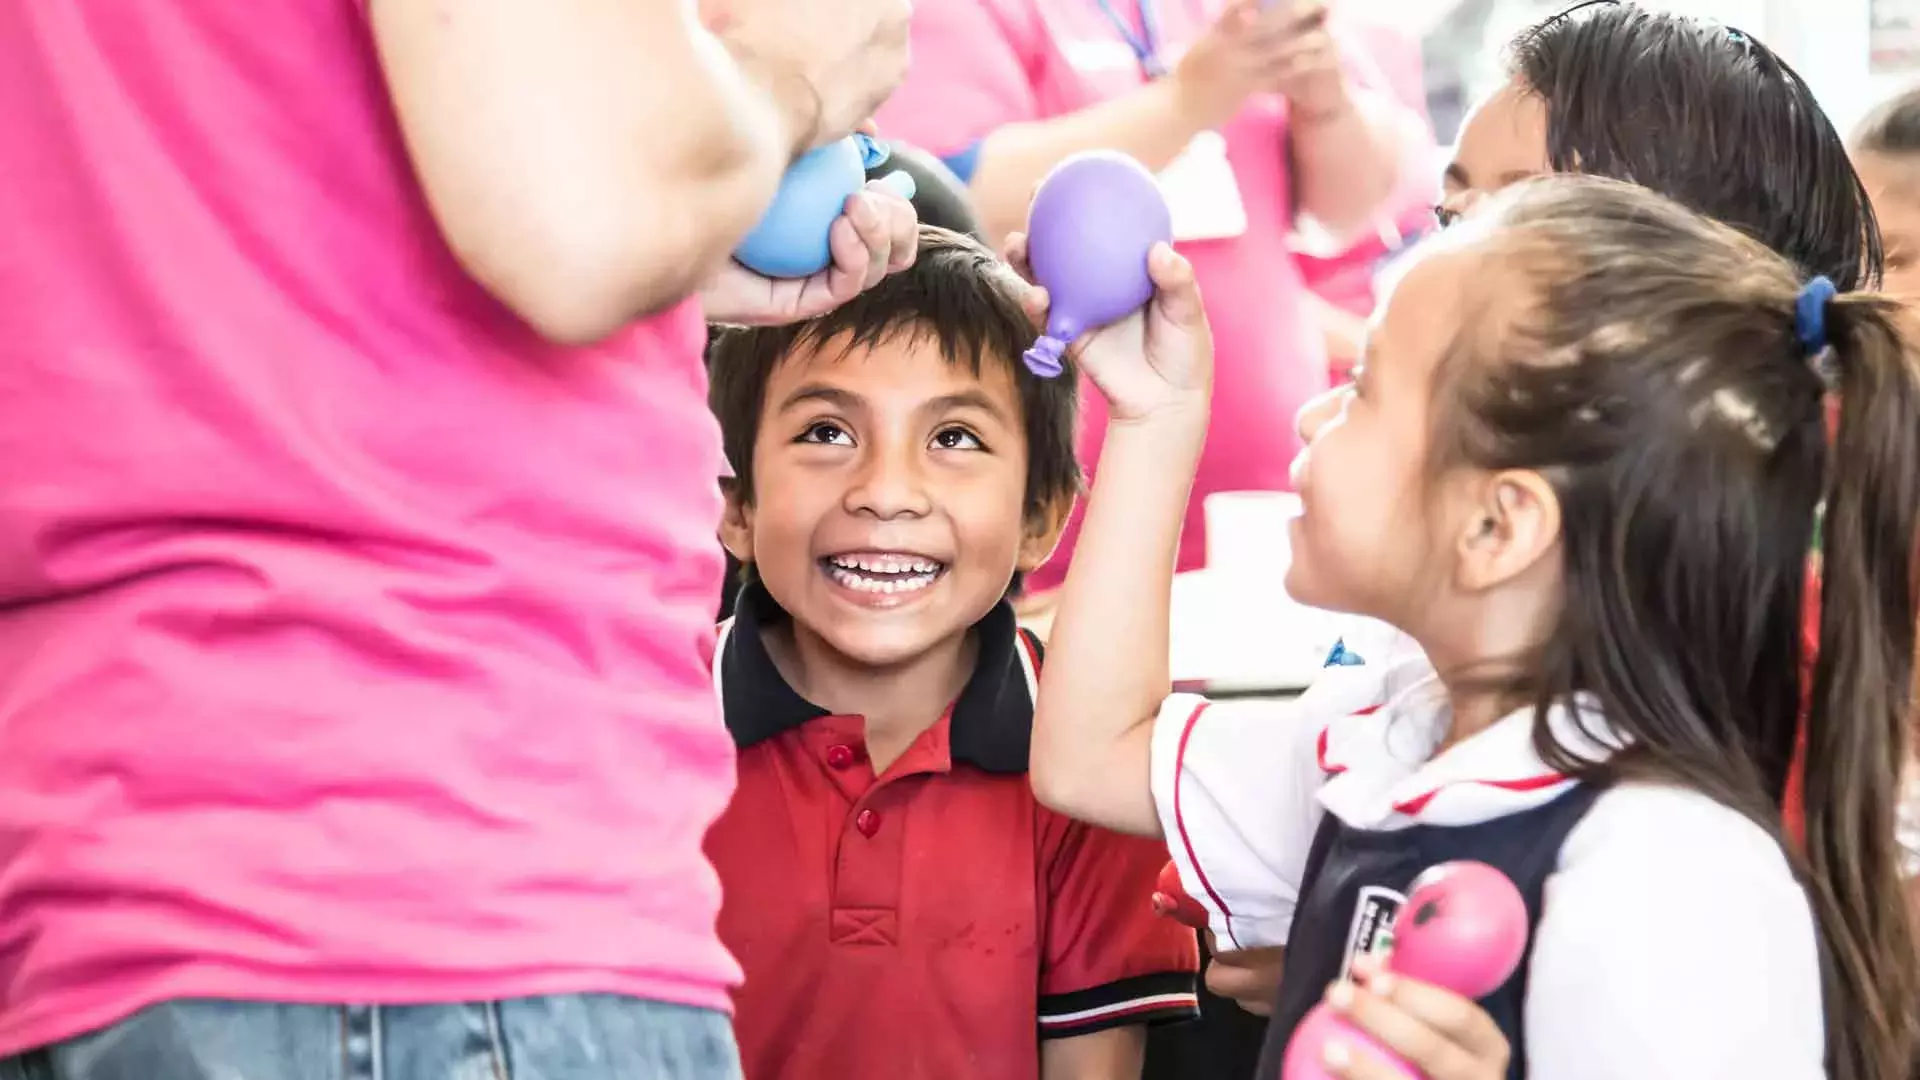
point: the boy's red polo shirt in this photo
(935, 921)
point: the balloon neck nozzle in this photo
(873, 152)
(1044, 358)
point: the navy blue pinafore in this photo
(1356, 880)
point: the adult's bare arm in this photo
(589, 161)
(1153, 123)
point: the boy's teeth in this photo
(883, 574)
(886, 564)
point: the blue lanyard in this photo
(1145, 44)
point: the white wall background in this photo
(1825, 40)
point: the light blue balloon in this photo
(791, 239)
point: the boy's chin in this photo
(886, 643)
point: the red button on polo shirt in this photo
(841, 756)
(958, 923)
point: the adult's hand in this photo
(877, 235)
(1250, 978)
(1308, 70)
(847, 55)
(1254, 47)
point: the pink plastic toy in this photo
(1322, 1025)
(1463, 927)
(1094, 219)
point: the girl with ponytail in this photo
(1594, 442)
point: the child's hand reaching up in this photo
(1107, 651)
(1155, 362)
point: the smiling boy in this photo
(900, 903)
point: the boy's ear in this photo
(1044, 527)
(736, 525)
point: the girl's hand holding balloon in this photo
(1157, 362)
(1442, 1034)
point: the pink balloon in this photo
(1094, 219)
(1307, 1049)
(1464, 927)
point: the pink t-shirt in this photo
(353, 641)
(981, 64)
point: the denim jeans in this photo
(575, 1037)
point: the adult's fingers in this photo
(895, 193)
(861, 244)
(1277, 24)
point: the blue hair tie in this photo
(1810, 314)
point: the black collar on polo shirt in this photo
(991, 723)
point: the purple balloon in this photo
(1094, 219)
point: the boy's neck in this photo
(898, 702)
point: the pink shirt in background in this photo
(981, 64)
(353, 641)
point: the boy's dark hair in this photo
(939, 198)
(1656, 375)
(1705, 115)
(1893, 128)
(961, 296)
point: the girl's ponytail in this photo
(1862, 693)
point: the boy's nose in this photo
(890, 486)
(1319, 409)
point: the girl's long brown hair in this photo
(1655, 375)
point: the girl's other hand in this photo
(1440, 1033)
(1155, 362)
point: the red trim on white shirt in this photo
(1320, 745)
(1412, 807)
(1180, 821)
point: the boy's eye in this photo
(954, 438)
(826, 434)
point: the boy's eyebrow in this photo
(831, 395)
(1457, 175)
(966, 399)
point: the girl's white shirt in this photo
(1674, 941)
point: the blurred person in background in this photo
(1341, 279)
(1251, 114)
(357, 552)
(1886, 151)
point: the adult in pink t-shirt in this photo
(357, 544)
(1004, 89)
